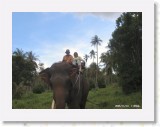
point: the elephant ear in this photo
(45, 75)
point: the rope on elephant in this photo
(79, 81)
(78, 78)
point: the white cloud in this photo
(112, 16)
(107, 15)
(102, 15)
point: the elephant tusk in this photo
(53, 104)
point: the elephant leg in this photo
(83, 103)
(83, 100)
(73, 105)
(85, 91)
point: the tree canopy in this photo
(125, 49)
(23, 66)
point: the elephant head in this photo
(61, 84)
(63, 79)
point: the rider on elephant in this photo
(78, 61)
(68, 58)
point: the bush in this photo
(91, 83)
(17, 91)
(101, 82)
(131, 84)
(14, 85)
(38, 87)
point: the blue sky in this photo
(48, 35)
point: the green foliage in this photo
(125, 52)
(23, 66)
(23, 71)
(96, 41)
(91, 75)
(86, 57)
(92, 54)
(91, 83)
(101, 81)
(18, 91)
(108, 66)
(14, 85)
(39, 86)
(105, 98)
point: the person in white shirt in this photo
(77, 61)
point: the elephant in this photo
(69, 86)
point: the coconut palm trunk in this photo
(95, 42)
(97, 69)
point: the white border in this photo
(144, 6)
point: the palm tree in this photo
(95, 42)
(92, 54)
(86, 57)
(19, 52)
(32, 58)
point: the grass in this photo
(110, 97)
(33, 101)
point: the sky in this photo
(49, 34)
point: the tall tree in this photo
(126, 49)
(108, 66)
(32, 58)
(86, 57)
(95, 42)
(91, 74)
(19, 52)
(23, 69)
(92, 54)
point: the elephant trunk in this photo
(60, 104)
(60, 97)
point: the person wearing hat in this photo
(68, 58)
